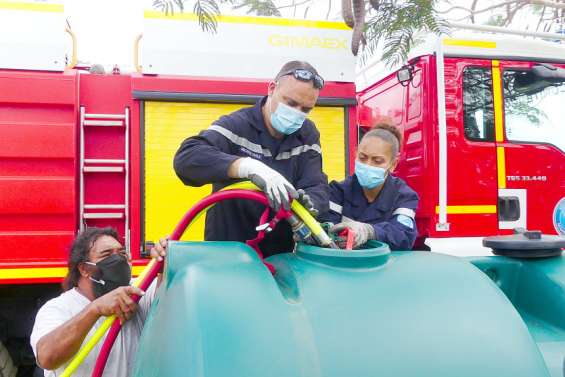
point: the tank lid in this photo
(526, 244)
(373, 254)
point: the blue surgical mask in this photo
(369, 176)
(286, 119)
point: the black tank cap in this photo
(526, 244)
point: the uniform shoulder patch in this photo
(406, 221)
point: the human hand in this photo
(363, 232)
(307, 202)
(159, 250)
(274, 185)
(118, 302)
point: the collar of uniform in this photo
(381, 203)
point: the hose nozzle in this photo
(305, 234)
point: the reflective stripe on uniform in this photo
(256, 148)
(406, 221)
(241, 141)
(345, 219)
(405, 211)
(298, 150)
(335, 207)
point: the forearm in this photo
(197, 163)
(233, 169)
(58, 346)
(397, 236)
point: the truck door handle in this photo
(508, 208)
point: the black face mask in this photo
(113, 272)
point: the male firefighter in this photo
(96, 286)
(373, 203)
(273, 145)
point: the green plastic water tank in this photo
(219, 312)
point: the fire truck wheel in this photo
(7, 367)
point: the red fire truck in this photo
(83, 149)
(80, 148)
(484, 132)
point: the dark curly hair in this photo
(79, 252)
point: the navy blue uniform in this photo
(392, 214)
(205, 159)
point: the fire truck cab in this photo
(484, 132)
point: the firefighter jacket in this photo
(392, 214)
(205, 158)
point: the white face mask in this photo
(286, 119)
(369, 176)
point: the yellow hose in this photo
(308, 219)
(99, 333)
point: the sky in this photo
(106, 29)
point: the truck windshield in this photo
(534, 109)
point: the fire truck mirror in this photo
(405, 74)
(549, 72)
(537, 79)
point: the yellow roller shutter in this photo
(167, 124)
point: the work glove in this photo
(274, 185)
(363, 232)
(307, 202)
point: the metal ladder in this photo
(97, 165)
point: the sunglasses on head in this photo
(306, 75)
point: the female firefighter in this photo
(373, 203)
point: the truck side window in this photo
(534, 108)
(478, 111)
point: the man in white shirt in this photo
(97, 286)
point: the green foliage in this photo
(258, 7)
(392, 23)
(168, 6)
(395, 24)
(496, 20)
(207, 12)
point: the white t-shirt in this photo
(59, 310)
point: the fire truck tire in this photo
(7, 367)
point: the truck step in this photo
(104, 206)
(105, 123)
(103, 161)
(105, 116)
(103, 215)
(103, 169)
